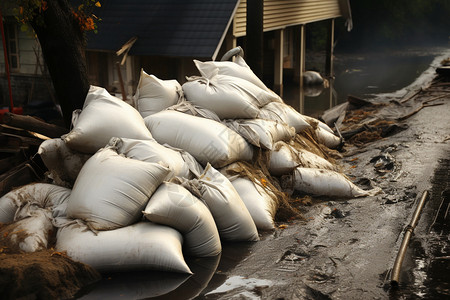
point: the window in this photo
(12, 45)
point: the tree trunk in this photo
(63, 46)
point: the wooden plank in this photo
(18, 140)
(34, 124)
(19, 131)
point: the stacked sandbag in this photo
(31, 232)
(154, 94)
(103, 116)
(259, 202)
(231, 216)
(175, 206)
(194, 110)
(262, 133)
(111, 190)
(207, 140)
(237, 68)
(63, 163)
(15, 204)
(143, 245)
(229, 97)
(180, 162)
(285, 158)
(324, 133)
(27, 211)
(320, 182)
(284, 113)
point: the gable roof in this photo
(194, 28)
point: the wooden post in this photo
(130, 74)
(254, 51)
(230, 39)
(302, 50)
(331, 91)
(329, 70)
(279, 55)
(122, 87)
(8, 75)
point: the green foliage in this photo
(27, 11)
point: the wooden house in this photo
(164, 36)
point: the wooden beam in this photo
(254, 51)
(279, 56)
(302, 50)
(34, 124)
(329, 66)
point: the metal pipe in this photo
(407, 236)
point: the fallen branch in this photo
(412, 96)
(424, 104)
(417, 110)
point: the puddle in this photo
(245, 286)
(425, 274)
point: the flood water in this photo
(361, 75)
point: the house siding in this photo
(27, 82)
(283, 13)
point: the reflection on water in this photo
(361, 75)
(208, 274)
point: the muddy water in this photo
(362, 75)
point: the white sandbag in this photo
(111, 190)
(103, 117)
(316, 122)
(154, 94)
(229, 211)
(143, 245)
(31, 232)
(42, 195)
(326, 138)
(206, 140)
(312, 78)
(175, 206)
(284, 158)
(261, 133)
(226, 102)
(63, 163)
(282, 112)
(259, 202)
(325, 183)
(152, 151)
(238, 68)
(194, 110)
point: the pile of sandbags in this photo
(186, 168)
